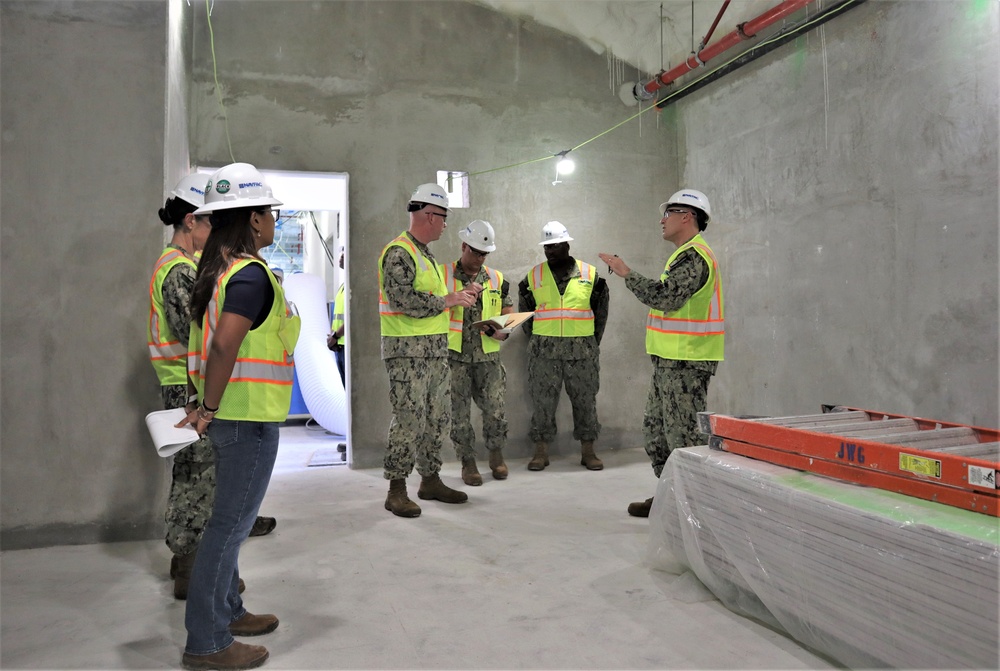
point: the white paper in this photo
(167, 438)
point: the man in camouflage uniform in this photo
(570, 303)
(477, 374)
(413, 314)
(685, 330)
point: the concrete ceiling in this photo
(629, 30)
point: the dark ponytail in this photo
(174, 210)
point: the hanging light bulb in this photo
(565, 166)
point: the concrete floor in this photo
(541, 571)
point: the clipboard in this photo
(506, 322)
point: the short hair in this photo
(702, 220)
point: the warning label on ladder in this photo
(983, 477)
(920, 465)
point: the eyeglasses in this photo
(479, 253)
(668, 212)
(444, 217)
(276, 214)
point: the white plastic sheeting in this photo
(871, 578)
(319, 379)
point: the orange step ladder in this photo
(950, 463)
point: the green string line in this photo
(552, 156)
(659, 103)
(215, 75)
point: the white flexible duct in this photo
(319, 379)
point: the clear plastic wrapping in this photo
(867, 577)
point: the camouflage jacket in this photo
(472, 341)
(567, 349)
(398, 274)
(177, 288)
(687, 275)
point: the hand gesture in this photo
(615, 265)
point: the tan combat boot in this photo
(180, 571)
(173, 565)
(398, 502)
(588, 458)
(640, 508)
(470, 472)
(431, 487)
(497, 466)
(541, 458)
(182, 574)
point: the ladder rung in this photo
(987, 451)
(932, 438)
(883, 426)
(823, 419)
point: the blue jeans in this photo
(244, 458)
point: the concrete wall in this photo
(82, 144)
(390, 92)
(854, 176)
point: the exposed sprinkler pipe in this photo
(778, 39)
(744, 31)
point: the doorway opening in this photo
(311, 240)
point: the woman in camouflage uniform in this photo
(192, 487)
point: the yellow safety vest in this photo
(697, 331)
(429, 279)
(166, 352)
(338, 314)
(492, 305)
(563, 315)
(260, 386)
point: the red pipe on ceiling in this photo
(744, 31)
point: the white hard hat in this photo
(689, 198)
(191, 189)
(553, 233)
(432, 194)
(478, 235)
(236, 185)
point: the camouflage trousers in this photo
(418, 394)
(582, 379)
(192, 486)
(676, 396)
(485, 383)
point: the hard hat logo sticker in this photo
(222, 186)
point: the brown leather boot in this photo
(399, 502)
(497, 466)
(237, 656)
(253, 625)
(541, 458)
(470, 472)
(640, 508)
(588, 458)
(431, 487)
